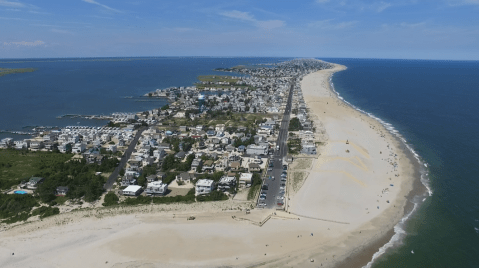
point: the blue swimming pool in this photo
(20, 192)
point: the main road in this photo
(124, 159)
(271, 200)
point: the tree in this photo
(110, 199)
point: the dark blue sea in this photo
(433, 105)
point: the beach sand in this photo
(333, 219)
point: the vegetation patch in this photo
(294, 146)
(5, 71)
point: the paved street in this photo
(124, 159)
(274, 185)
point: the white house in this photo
(112, 148)
(132, 190)
(245, 179)
(78, 148)
(256, 150)
(156, 188)
(204, 186)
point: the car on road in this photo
(270, 169)
(285, 167)
(280, 203)
(282, 188)
(264, 187)
(272, 177)
(284, 175)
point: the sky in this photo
(390, 29)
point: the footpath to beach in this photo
(353, 196)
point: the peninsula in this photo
(268, 169)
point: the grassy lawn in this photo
(17, 165)
(5, 71)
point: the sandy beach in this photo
(355, 192)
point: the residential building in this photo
(62, 190)
(246, 179)
(204, 186)
(156, 188)
(132, 190)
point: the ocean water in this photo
(94, 86)
(434, 106)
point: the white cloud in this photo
(381, 6)
(322, 1)
(412, 25)
(102, 5)
(330, 25)
(247, 17)
(16, 5)
(60, 31)
(11, 4)
(235, 14)
(462, 2)
(24, 43)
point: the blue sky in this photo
(409, 29)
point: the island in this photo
(5, 71)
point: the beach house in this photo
(132, 190)
(156, 188)
(204, 186)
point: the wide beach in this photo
(353, 196)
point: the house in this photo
(62, 190)
(226, 183)
(128, 180)
(241, 149)
(159, 154)
(161, 175)
(183, 128)
(209, 165)
(112, 148)
(220, 128)
(308, 149)
(210, 132)
(180, 155)
(204, 186)
(235, 165)
(163, 146)
(256, 150)
(185, 177)
(132, 190)
(34, 182)
(246, 179)
(156, 188)
(151, 178)
(253, 167)
(36, 145)
(196, 162)
(78, 148)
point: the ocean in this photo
(434, 107)
(432, 104)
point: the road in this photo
(274, 185)
(124, 159)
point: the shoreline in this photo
(366, 255)
(133, 236)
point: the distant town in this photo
(225, 137)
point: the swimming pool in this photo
(20, 192)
